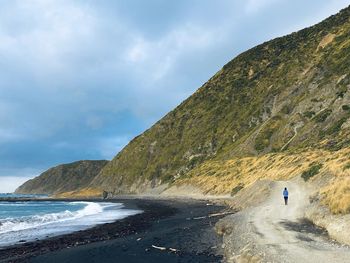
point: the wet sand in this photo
(181, 226)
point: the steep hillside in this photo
(288, 95)
(63, 178)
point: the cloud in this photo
(108, 147)
(254, 6)
(160, 55)
(10, 183)
(11, 178)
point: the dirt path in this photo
(283, 234)
(295, 129)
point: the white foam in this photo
(17, 224)
(31, 227)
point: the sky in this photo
(80, 79)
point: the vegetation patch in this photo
(236, 189)
(322, 116)
(335, 128)
(168, 178)
(286, 109)
(85, 192)
(316, 100)
(337, 195)
(342, 90)
(346, 107)
(263, 139)
(346, 166)
(309, 114)
(312, 171)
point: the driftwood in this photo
(200, 217)
(221, 214)
(164, 248)
(160, 248)
(213, 215)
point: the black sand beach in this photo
(182, 227)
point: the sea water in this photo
(12, 195)
(24, 221)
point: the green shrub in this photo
(346, 166)
(168, 178)
(236, 189)
(345, 107)
(321, 134)
(195, 161)
(335, 128)
(322, 116)
(341, 92)
(263, 139)
(316, 100)
(312, 171)
(309, 114)
(286, 109)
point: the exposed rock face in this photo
(288, 94)
(63, 178)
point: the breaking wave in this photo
(88, 214)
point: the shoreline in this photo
(139, 233)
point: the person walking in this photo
(285, 196)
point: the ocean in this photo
(12, 195)
(25, 221)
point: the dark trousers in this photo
(286, 200)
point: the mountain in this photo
(276, 111)
(285, 96)
(63, 178)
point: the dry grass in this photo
(337, 195)
(325, 41)
(83, 193)
(220, 177)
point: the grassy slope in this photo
(63, 178)
(337, 195)
(251, 107)
(226, 176)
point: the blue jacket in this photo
(285, 193)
